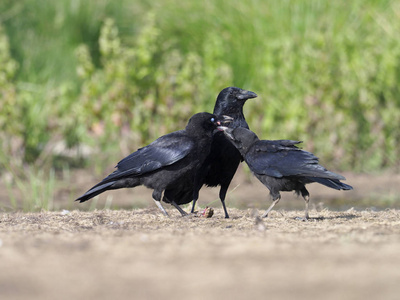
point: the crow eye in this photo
(212, 119)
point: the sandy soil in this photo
(350, 250)
(140, 254)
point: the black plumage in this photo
(281, 166)
(168, 162)
(222, 162)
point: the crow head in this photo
(205, 123)
(230, 101)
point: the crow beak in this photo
(244, 95)
(222, 128)
(226, 119)
(227, 131)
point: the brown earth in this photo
(140, 254)
(343, 253)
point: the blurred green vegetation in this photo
(114, 75)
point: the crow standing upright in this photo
(222, 162)
(281, 166)
(165, 163)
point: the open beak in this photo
(222, 128)
(227, 131)
(244, 95)
(225, 120)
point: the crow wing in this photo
(282, 158)
(163, 152)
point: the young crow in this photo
(222, 162)
(165, 162)
(281, 166)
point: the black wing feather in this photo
(282, 158)
(163, 152)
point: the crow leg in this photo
(195, 197)
(157, 198)
(307, 200)
(174, 204)
(194, 205)
(196, 187)
(222, 195)
(306, 196)
(274, 202)
(158, 203)
(183, 213)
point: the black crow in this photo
(167, 162)
(222, 162)
(281, 166)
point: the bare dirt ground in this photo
(341, 253)
(140, 254)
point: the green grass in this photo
(36, 189)
(116, 75)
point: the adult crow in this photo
(165, 162)
(222, 162)
(281, 166)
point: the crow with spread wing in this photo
(281, 166)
